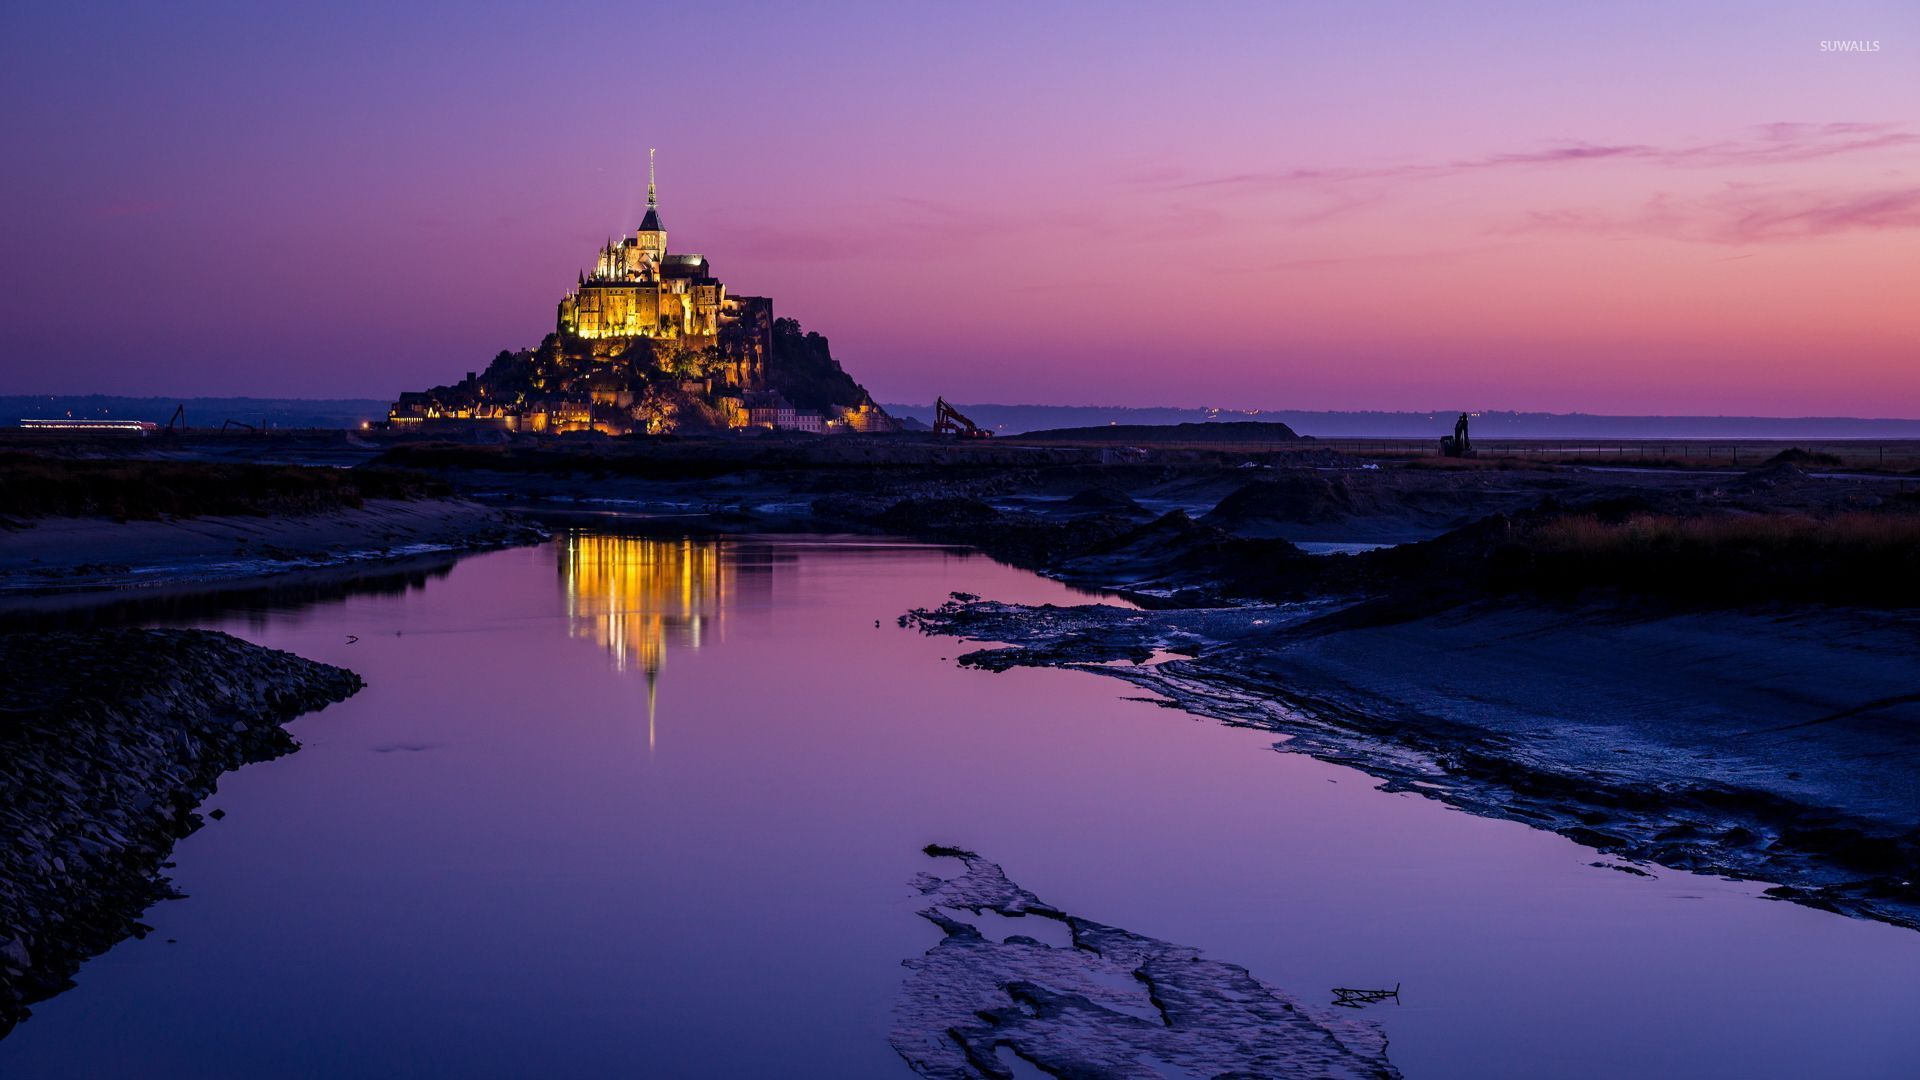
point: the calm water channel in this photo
(624, 806)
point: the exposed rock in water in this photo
(108, 741)
(1114, 1004)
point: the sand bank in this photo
(77, 555)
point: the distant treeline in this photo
(1012, 419)
(200, 412)
(1237, 431)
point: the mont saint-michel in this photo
(1278, 577)
(650, 341)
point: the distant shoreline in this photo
(1387, 424)
(204, 413)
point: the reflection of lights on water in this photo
(634, 595)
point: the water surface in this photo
(619, 805)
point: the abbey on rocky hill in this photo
(651, 341)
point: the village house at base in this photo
(650, 341)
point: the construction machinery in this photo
(948, 420)
(1350, 998)
(176, 423)
(1458, 444)
(241, 425)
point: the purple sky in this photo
(1611, 208)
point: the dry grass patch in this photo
(130, 489)
(1857, 531)
(1850, 558)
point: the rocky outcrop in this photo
(802, 369)
(108, 740)
(1104, 1002)
(645, 384)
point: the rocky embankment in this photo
(108, 741)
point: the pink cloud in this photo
(1746, 216)
(1778, 143)
(1558, 155)
(1393, 258)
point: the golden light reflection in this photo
(634, 595)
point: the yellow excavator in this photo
(948, 420)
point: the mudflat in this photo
(1706, 669)
(1775, 746)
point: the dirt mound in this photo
(1289, 498)
(944, 513)
(1769, 477)
(1794, 455)
(1104, 500)
(1320, 457)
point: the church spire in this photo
(651, 223)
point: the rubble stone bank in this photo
(109, 739)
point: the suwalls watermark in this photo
(1854, 46)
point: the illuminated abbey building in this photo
(649, 340)
(636, 289)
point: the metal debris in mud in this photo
(1109, 1003)
(1349, 998)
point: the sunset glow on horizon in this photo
(1628, 209)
